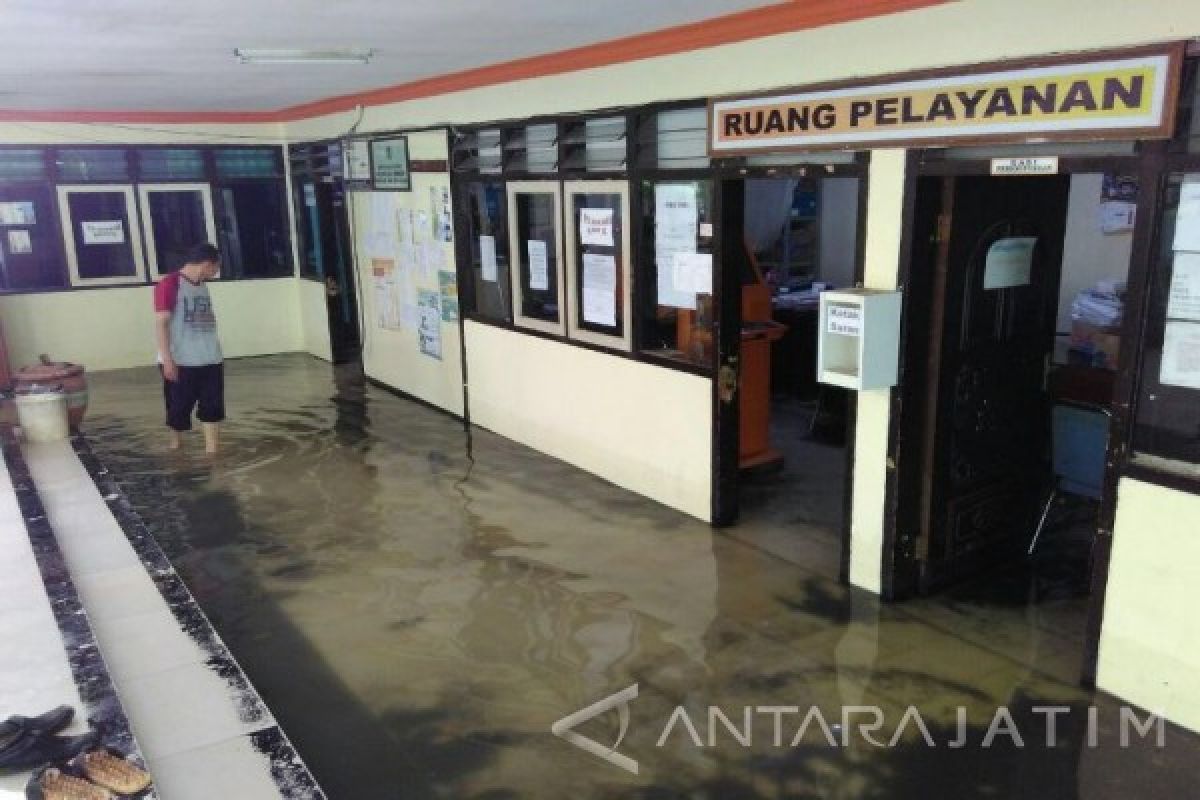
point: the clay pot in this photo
(70, 376)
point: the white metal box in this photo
(858, 338)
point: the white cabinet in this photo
(858, 338)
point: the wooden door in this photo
(987, 451)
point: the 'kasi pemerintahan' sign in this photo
(1131, 97)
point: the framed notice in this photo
(389, 165)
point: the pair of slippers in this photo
(99, 774)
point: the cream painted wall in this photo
(983, 30)
(885, 205)
(313, 319)
(392, 356)
(645, 428)
(1150, 642)
(1090, 254)
(114, 328)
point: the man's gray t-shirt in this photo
(193, 326)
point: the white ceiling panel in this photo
(163, 55)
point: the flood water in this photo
(418, 608)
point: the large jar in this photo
(70, 376)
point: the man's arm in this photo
(162, 330)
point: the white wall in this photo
(1150, 642)
(1090, 255)
(643, 427)
(313, 318)
(392, 356)
(837, 239)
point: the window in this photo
(176, 217)
(534, 222)
(677, 218)
(99, 165)
(1166, 431)
(171, 164)
(102, 245)
(252, 230)
(598, 262)
(676, 139)
(487, 246)
(30, 241)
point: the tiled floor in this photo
(190, 708)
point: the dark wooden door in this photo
(988, 447)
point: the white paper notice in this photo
(596, 226)
(599, 289)
(19, 243)
(487, 257)
(1009, 262)
(692, 272)
(110, 231)
(675, 216)
(17, 213)
(1184, 301)
(846, 320)
(358, 160)
(1117, 216)
(539, 267)
(1181, 355)
(1187, 218)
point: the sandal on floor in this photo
(112, 770)
(52, 783)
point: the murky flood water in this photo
(418, 610)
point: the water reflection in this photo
(417, 608)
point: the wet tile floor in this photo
(418, 607)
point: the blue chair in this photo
(1079, 447)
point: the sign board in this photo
(1122, 96)
(103, 231)
(389, 165)
(845, 320)
(358, 160)
(1041, 165)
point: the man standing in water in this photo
(188, 349)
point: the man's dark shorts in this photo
(197, 388)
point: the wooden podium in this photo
(759, 331)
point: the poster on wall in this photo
(387, 294)
(1009, 262)
(487, 257)
(19, 243)
(17, 213)
(1181, 355)
(439, 207)
(1183, 303)
(429, 323)
(539, 266)
(692, 273)
(389, 165)
(448, 288)
(1118, 203)
(109, 231)
(596, 227)
(599, 289)
(675, 228)
(1187, 216)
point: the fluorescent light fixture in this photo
(247, 55)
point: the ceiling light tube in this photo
(247, 55)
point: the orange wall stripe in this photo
(781, 18)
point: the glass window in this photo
(102, 244)
(533, 148)
(676, 139)
(598, 258)
(604, 144)
(170, 164)
(1166, 430)
(176, 216)
(677, 217)
(80, 165)
(234, 163)
(487, 217)
(535, 248)
(19, 164)
(252, 230)
(30, 241)
(319, 207)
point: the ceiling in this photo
(151, 55)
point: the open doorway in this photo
(799, 235)
(1016, 300)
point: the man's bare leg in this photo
(212, 437)
(174, 440)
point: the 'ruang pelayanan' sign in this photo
(1132, 96)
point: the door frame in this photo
(727, 175)
(907, 426)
